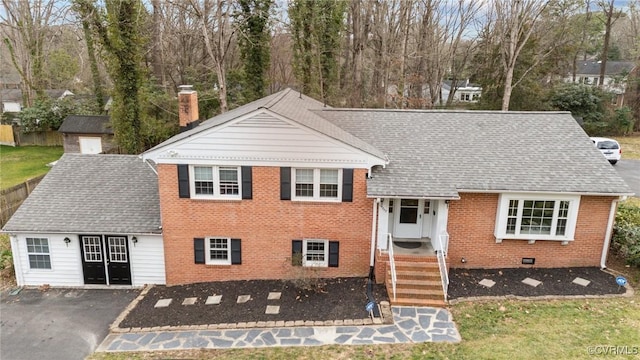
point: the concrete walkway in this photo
(411, 325)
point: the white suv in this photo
(609, 148)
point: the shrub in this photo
(305, 278)
(626, 233)
(7, 275)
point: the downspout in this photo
(370, 298)
(607, 236)
(374, 223)
(17, 256)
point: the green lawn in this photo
(630, 146)
(491, 330)
(18, 164)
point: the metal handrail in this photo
(392, 264)
(441, 254)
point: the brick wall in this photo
(266, 225)
(472, 223)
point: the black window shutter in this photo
(183, 181)
(247, 191)
(334, 251)
(198, 250)
(296, 253)
(285, 183)
(236, 252)
(347, 185)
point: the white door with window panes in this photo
(409, 218)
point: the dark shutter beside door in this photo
(198, 250)
(347, 185)
(247, 191)
(285, 183)
(236, 252)
(334, 252)
(183, 181)
(296, 253)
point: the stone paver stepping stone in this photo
(274, 296)
(213, 300)
(416, 325)
(272, 309)
(487, 282)
(532, 282)
(163, 303)
(580, 281)
(190, 301)
(243, 299)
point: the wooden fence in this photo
(42, 138)
(6, 135)
(12, 198)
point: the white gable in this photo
(263, 138)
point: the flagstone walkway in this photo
(411, 325)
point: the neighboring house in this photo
(285, 182)
(615, 79)
(463, 91)
(12, 98)
(94, 219)
(87, 134)
(10, 81)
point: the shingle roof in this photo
(291, 105)
(438, 153)
(86, 124)
(115, 194)
(613, 67)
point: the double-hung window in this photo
(536, 217)
(221, 182)
(38, 253)
(218, 251)
(315, 253)
(317, 184)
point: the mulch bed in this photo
(557, 281)
(340, 298)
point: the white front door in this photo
(90, 145)
(408, 219)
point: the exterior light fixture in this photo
(67, 241)
(134, 240)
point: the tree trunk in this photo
(609, 13)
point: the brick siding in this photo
(266, 225)
(471, 229)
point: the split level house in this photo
(286, 183)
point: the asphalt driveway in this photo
(62, 324)
(629, 170)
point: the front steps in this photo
(418, 283)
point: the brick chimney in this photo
(188, 107)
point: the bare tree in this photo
(214, 20)
(26, 31)
(611, 16)
(514, 23)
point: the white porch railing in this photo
(392, 264)
(441, 254)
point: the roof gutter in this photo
(607, 236)
(544, 192)
(413, 197)
(14, 232)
